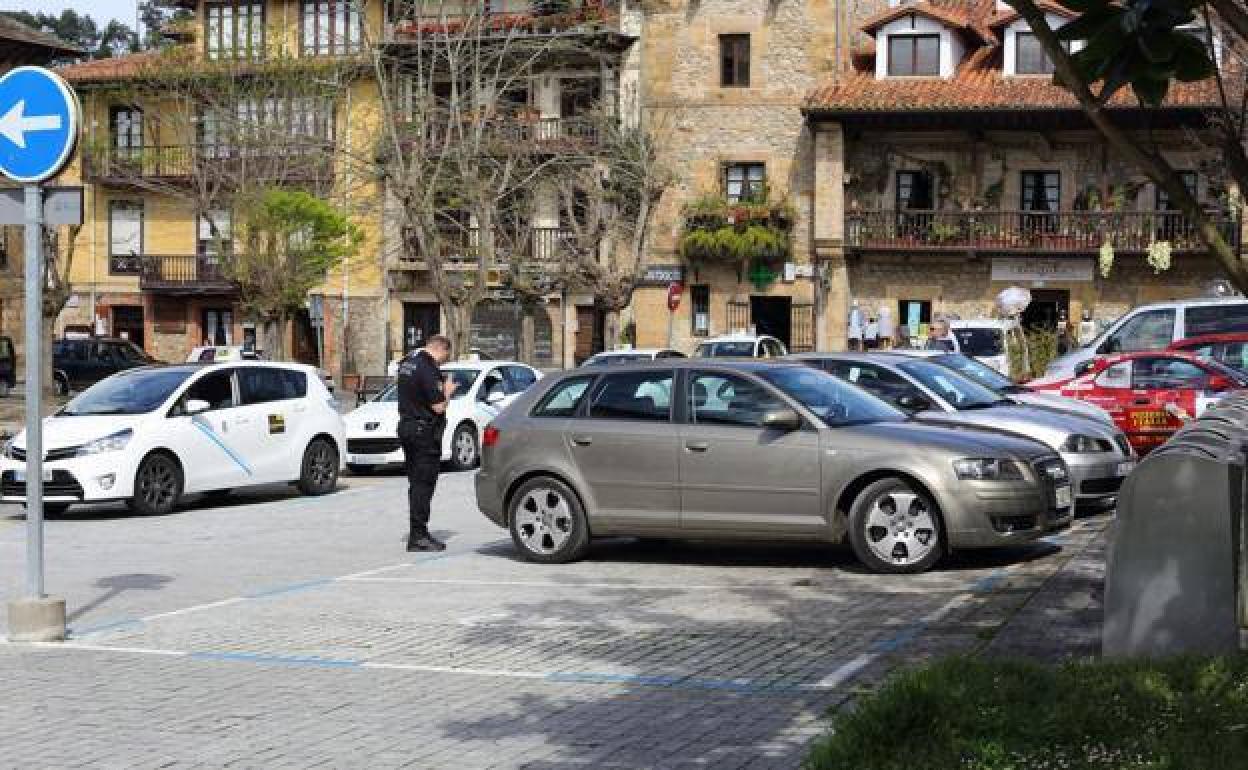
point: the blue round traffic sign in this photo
(38, 124)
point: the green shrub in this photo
(963, 714)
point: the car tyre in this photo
(157, 485)
(319, 471)
(547, 522)
(895, 528)
(465, 447)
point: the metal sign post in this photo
(34, 391)
(39, 120)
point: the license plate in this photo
(1125, 468)
(367, 459)
(21, 475)
(1063, 497)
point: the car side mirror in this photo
(913, 402)
(197, 406)
(782, 419)
(495, 396)
(1083, 367)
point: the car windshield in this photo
(960, 392)
(127, 393)
(837, 403)
(743, 348)
(980, 341)
(982, 373)
(463, 379)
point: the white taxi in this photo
(482, 390)
(150, 436)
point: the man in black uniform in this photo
(422, 419)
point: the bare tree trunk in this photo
(526, 345)
(459, 329)
(276, 331)
(48, 326)
(611, 329)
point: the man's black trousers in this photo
(422, 457)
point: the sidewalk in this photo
(1063, 619)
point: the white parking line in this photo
(195, 608)
(572, 584)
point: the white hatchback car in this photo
(482, 389)
(149, 436)
(741, 346)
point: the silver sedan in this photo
(756, 451)
(1096, 453)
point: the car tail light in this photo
(490, 437)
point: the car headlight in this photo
(1080, 444)
(114, 442)
(987, 469)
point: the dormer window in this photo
(912, 55)
(1030, 57)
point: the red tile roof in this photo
(115, 68)
(978, 84)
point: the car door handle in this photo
(697, 446)
(1142, 402)
(242, 420)
(582, 440)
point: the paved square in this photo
(285, 631)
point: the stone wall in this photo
(963, 287)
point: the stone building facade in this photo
(723, 83)
(950, 167)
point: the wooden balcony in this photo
(506, 132)
(459, 250)
(1061, 232)
(183, 274)
(587, 16)
(293, 163)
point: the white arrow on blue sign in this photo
(38, 124)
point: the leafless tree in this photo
(468, 161)
(214, 135)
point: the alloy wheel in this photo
(158, 483)
(321, 464)
(900, 529)
(544, 520)
(465, 448)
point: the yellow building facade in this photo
(152, 163)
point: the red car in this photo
(1150, 394)
(1228, 349)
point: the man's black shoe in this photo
(425, 543)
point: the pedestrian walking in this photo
(423, 395)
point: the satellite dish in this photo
(1013, 301)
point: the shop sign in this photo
(1023, 269)
(663, 275)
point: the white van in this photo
(987, 340)
(1155, 327)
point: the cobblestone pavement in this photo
(280, 631)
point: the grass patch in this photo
(965, 714)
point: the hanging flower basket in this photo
(736, 234)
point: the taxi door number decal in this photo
(277, 423)
(1152, 418)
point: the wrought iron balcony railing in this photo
(183, 273)
(1057, 232)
